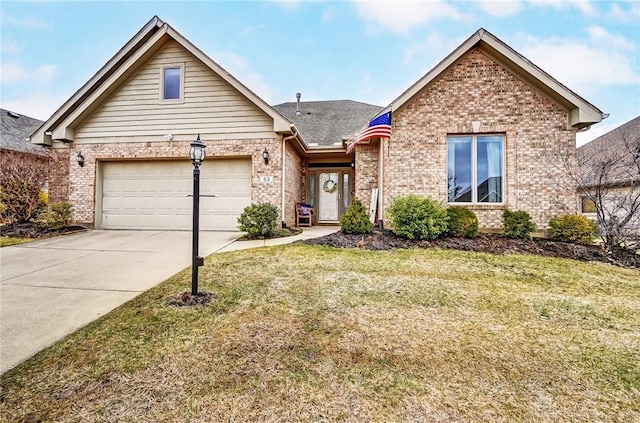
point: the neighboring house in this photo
(610, 175)
(15, 148)
(472, 131)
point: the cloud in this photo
(400, 17)
(27, 22)
(9, 47)
(629, 15)
(240, 68)
(252, 30)
(39, 104)
(13, 72)
(584, 6)
(328, 15)
(600, 35)
(431, 50)
(601, 59)
(288, 4)
(501, 8)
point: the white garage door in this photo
(152, 194)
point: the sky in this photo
(369, 51)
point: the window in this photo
(587, 205)
(475, 169)
(172, 83)
(311, 199)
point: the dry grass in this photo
(8, 241)
(301, 333)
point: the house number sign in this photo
(266, 179)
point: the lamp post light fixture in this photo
(197, 155)
(265, 156)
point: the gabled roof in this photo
(60, 126)
(16, 129)
(619, 149)
(581, 113)
(326, 123)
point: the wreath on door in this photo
(329, 186)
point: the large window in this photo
(172, 83)
(475, 168)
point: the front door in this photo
(329, 196)
(329, 192)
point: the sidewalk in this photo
(307, 233)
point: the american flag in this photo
(379, 127)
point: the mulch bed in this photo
(486, 243)
(33, 230)
(201, 299)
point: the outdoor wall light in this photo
(265, 156)
(80, 159)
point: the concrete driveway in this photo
(50, 288)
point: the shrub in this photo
(573, 228)
(44, 198)
(259, 220)
(462, 222)
(517, 224)
(20, 200)
(355, 219)
(56, 215)
(415, 217)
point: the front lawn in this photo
(8, 241)
(312, 333)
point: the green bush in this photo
(56, 215)
(355, 219)
(517, 224)
(415, 217)
(20, 200)
(462, 222)
(573, 228)
(259, 220)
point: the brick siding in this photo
(80, 184)
(293, 185)
(476, 88)
(366, 172)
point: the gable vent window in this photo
(172, 83)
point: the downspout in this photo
(284, 172)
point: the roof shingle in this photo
(325, 123)
(16, 130)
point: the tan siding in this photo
(210, 106)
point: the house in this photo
(609, 175)
(479, 123)
(16, 152)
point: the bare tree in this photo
(18, 165)
(22, 178)
(606, 173)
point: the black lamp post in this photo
(197, 155)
